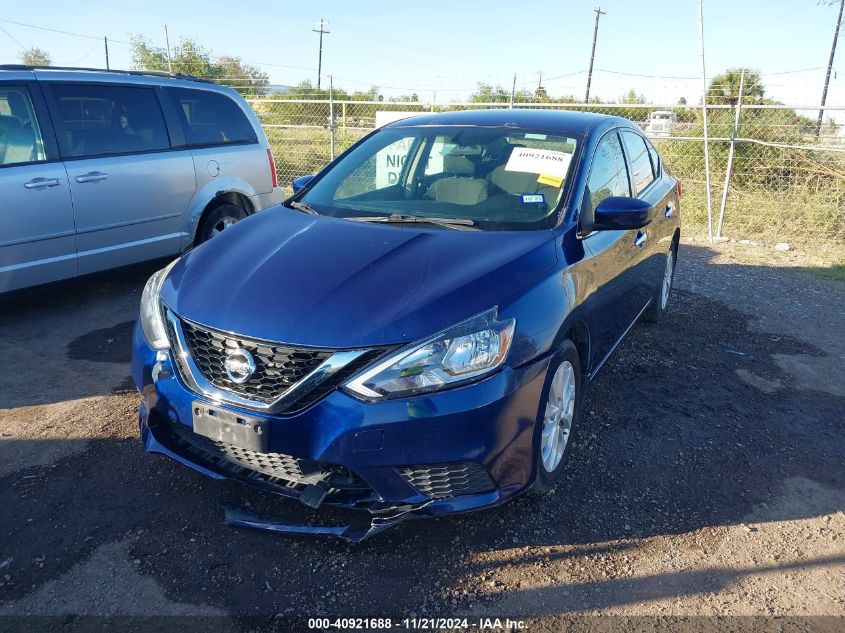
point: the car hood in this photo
(286, 276)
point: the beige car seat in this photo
(463, 188)
(519, 182)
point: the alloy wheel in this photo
(222, 225)
(557, 420)
(667, 279)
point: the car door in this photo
(614, 254)
(646, 185)
(130, 189)
(37, 241)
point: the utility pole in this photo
(599, 13)
(323, 24)
(106, 41)
(167, 43)
(829, 67)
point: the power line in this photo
(22, 47)
(52, 30)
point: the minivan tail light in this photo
(272, 167)
(680, 188)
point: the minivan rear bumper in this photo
(453, 451)
(262, 201)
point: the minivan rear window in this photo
(212, 118)
(98, 120)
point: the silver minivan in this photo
(100, 169)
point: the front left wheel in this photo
(558, 416)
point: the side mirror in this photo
(301, 182)
(621, 213)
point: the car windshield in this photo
(493, 179)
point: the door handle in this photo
(639, 241)
(41, 183)
(670, 209)
(94, 176)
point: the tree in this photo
(191, 58)
(35, 56)
(486, 93)
(632, 97)
(724, 88)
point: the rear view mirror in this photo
(301, 182)
(621, 213)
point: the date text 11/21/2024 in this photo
(417, 623)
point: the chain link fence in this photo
(785, 181)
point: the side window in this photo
(608, 176)
(99, 120)
(212, 118)
(638, 158)
(655, 159)
(379, 172)
(441, 147)
(20, 135)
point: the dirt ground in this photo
(707, 479)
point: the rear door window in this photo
(212, 118)
(100, 120)
(639, 160)
(20, 134)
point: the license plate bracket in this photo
(239, 430)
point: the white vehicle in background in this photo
(661, 123)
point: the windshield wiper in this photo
(304, 207)
(460, 224)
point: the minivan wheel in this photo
(558, 415)
(660, 301)
(218, 220)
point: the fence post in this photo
(331, 116)
(734, 133)
(513, 91)
(704, 115)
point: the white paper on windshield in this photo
(539, 161)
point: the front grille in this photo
(277, 367)
(285, 469)
(440, 481)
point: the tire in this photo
(218, 219)
(660, 301)
(564, 373)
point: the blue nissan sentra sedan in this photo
(412, 333)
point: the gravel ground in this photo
(707, 479)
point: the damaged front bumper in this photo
(354, 532)
(455, 451)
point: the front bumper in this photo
(386, 457)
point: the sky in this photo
(440, 49)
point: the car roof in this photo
(538, 119)
(150, 77)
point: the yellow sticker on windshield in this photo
(548, 179)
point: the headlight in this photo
(152, 322)
(464, 352)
